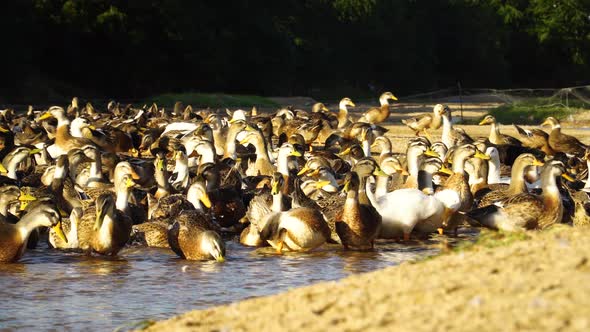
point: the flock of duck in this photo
(95, 181)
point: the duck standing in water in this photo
(13, 238)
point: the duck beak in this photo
(34, 151)
(545, 123)
(483, 122)
(92, 127)
(275, 188)
(60, 232)
(44, 116)
(244, 141)
(129, 183)
(403, 171)
(205, 200)
(344, 153)
(295, 153)
(3, 169)
(481, 155)
(321, 184)
(160, 164)
(379, 172)
(99, 218)
(324, 108)
(568, 177)
(431, 153)
(537, 162)
(393, 97)
(445, 170)
(303, 170)
(3, 130)
(351, 104)
(346, 186)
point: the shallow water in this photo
(52, 290)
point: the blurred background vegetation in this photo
(320, 48)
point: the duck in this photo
(535, 139)
(403, 209)
(459, 183)
(495, 136)
(105, 228)
(13, 238)
(375, 115)
(190, 240)
(64, 141)
(358, 225)
(299, 229)
(499, 192)
(344, 119)
(527, 211)
(13, 159)
(562, 142)
(260, 206)
(227, 204)
(262, 165)
(426, 121)
(452, 136)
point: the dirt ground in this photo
(539, 284)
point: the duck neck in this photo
(362, 191)
(366, 146)
(351, 205)
(96, 168)
(459, 163)
(122, 201)
(517, 184)
(425, 182)
(230, 143)
(494, 169)
(551, 195)
(413, 166)
(494, 133)
(30, 222)
(261, 151)
(384, 102)
(282, 162)
(76, 131)
(446, 131)
(277, 202)
(381, 183)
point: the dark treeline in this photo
(135, 48)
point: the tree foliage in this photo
(133, 48)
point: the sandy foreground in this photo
(538, 284)
(541, 283)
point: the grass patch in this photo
(492, 239)
(211, 100)
(535, 111)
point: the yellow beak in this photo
(60, 232)
(537, 162)
(481, 155)
(344, 153)
(431, 153)
(303, 170)
(295, 153)
(205, 200)
(379, 172)
(3, 169)
(45, 115)
(393, 97)
(482, 122)
(568, 177)
(545, 123)
(321, 184)
(445, 170)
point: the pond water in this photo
(53, 290)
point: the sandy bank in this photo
(542, 283)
